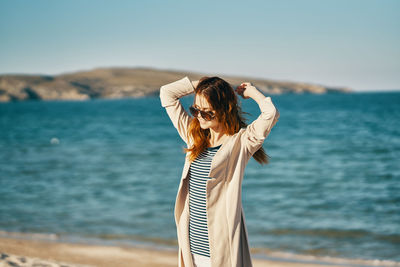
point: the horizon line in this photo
(190, 71)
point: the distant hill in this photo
(127, 82)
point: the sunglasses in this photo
(207, 115)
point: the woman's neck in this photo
(217, 137)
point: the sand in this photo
(70, 254)
(26, 252)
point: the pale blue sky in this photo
(353, 43)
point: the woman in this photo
(208, 211)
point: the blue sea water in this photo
(110, 169)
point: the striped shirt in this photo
(198, 175)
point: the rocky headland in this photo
(127, 83)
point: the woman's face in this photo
(201, 103)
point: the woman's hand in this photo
(246, 90)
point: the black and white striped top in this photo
(198, 175)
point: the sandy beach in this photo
(24, 253)
(68, 254)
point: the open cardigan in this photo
(228, 239)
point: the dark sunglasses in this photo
(207, 115)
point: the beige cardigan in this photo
(227, 230)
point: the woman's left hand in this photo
(245, 90)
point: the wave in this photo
(335, 233)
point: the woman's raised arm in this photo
(260, 128)
(169, 96)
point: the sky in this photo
(337, 43)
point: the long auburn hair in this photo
(224, 101)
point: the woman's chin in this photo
(204, 126)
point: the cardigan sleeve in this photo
(255, 133)
(169, 96)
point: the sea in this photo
(108, 170)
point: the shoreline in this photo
(48, 249)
